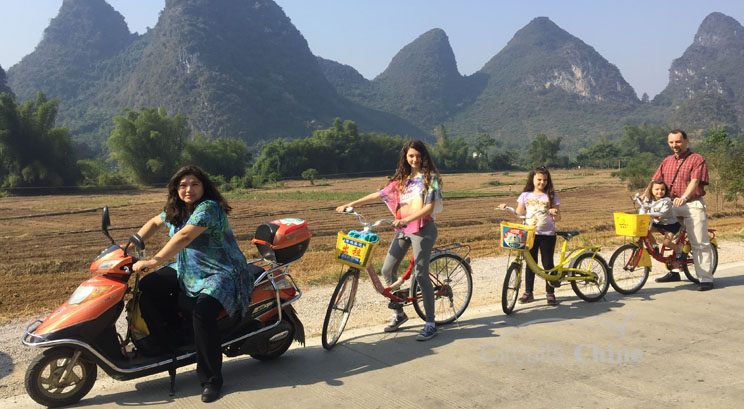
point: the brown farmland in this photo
(48, 242)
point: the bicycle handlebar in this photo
(527, 216)
(368, 227)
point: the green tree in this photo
(148, 144)
(224, 156)
(338, 149)
(450, 154)
(716, 148)
(732, 175)
(603, 154)
(310, 174)
(639, 170)
(644, 138)
(32, 151)
(482, 145)
(543, 151)
(100, 172)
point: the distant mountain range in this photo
(241, 69)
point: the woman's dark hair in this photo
(176, 210)
(427, 164)
(648, 194)
(530, 185)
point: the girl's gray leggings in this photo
(423, 241)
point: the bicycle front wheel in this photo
(339, 308)
(453, 288)
(625, 276)
(692, 276)
(594, 289)
(510, 292)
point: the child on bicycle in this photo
(414, 196)
(664, 220)
(538, 194)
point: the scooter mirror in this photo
(105, 219)
(105, 223)
(137, 241)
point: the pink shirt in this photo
(411, 199)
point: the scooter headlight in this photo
(87, 293)
(106, 265)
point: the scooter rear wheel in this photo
(278, 346)
(47, 383)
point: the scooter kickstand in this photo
(172, 374)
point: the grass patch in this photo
(457, 194)
(339, 196)
(94, 202)
(297, 195)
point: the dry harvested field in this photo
(47, 242)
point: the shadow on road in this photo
(358, 352)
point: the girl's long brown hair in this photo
(649, 195)
(427, 165)
(176, 210)
(549, 190)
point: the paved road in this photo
(667, 346)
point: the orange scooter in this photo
(81, 334)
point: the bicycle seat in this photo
(568, 234)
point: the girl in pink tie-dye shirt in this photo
(414, 196)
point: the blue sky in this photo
(641, 37)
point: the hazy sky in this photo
(641, 37)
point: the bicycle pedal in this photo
(394, 305)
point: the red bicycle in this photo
(449, 271)
(631, 263)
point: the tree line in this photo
(147, 146)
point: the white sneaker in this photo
(395, 322)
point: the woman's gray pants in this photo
(423, 242)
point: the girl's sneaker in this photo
(395, 322)
(525, 298)
(551, 299)
(429, 332)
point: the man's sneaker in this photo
(395, 322)
(551, 299)
(427, 333)
(668, 277)
(655, 251)
(525, 298)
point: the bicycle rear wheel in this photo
(625, 276)
(452, 291)
(339, 308)
(591, 290)
(692, 276)
(510, 292)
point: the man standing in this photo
(685, 174)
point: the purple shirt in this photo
(543, 222)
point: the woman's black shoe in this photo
(210, 393)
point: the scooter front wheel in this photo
(51, 380)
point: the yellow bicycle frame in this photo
(560, 266)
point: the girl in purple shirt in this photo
(538, 194)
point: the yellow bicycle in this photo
(583, 267)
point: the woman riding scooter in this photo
(210, 273)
